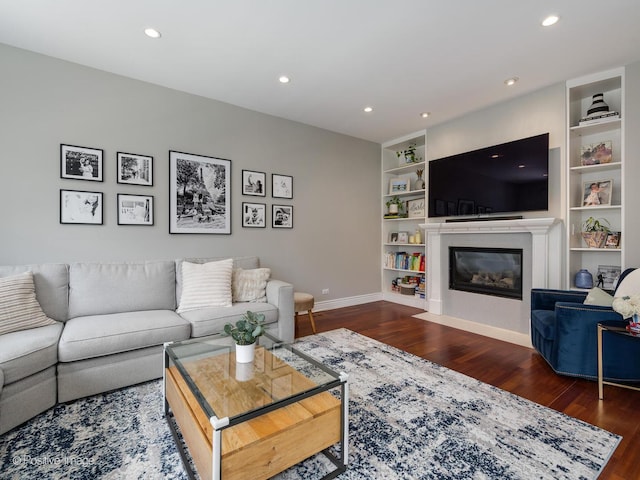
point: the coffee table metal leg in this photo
(345, 418)
(218, 424)
(600, 384)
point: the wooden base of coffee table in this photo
(261, 447)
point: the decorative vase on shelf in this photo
(584, 279)
(419, 184)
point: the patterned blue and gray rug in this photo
(409, 419)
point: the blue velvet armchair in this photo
(564, 332)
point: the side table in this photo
(616, 329)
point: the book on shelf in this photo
(598, 118)
(404, 261)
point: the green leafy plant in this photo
(409, 153)
(395, 200)
(592, 224)
(246, 330)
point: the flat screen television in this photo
(509, 178)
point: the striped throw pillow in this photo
(206, 285)
(19, 308)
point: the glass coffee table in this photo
(253, 420)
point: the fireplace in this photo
(488, 271)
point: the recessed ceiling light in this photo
(284, 79)
(511, 81)
(425, 114)
(368, 109)
(152, 32)
(550, 20)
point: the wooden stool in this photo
(302, 302)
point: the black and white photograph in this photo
(81, 163)
(135, 169)
(254, 215)
(282, 216)
(81, 207)
(135, 209)
(281, 186)
(607, 276)
(253, 183)
(200, 194)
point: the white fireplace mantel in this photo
(539, 228)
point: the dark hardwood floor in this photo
(517, 369)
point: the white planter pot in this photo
(244, 353)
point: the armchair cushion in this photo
(597, 296)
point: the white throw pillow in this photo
(19, 308)
(630, 285)
(250, 285)
(597, 296)
(206, 285)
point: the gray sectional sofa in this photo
(112, 320)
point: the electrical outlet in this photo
(325, 291)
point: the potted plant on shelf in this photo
(595, 231)
(245, 332)
(409, 154)
(394, 205)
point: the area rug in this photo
(409, 419)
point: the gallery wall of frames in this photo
(199, 192)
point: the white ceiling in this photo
(401, 57)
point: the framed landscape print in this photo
(199, 194)
(135, 209)
(81, 163)
(253, 183)
(281, 186)
(282, 216)
(81, 207)
(400, 184)
(135, 169)
(596, 153)
(254, 215)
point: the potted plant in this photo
(595, 231)
(409, 154)
(245, 332)
(394, 205)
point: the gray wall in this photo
(45, 102)
(632, 166)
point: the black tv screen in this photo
(507, 178)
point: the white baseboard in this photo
(347, 301)
(510, 336)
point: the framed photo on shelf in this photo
(401, 184)
(282, 216)
(596, 153)
(135, 169)
(135, 209)
(613, 240)
(281, 186)
(597, 193)
(403, 237)
(254, 215)
(254, 183)
(607, 276)
(415, 208)
(199, 194)
(79, 207)
(393, 237)
(81, 163)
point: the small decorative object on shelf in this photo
(245, 332)
(629, 307)
(596, 153)
(409, 154)
(584, 279)
(613, 240)
(394, 205)
(598, 111)
(594, 232)
(418, 184)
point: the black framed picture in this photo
(135, 169)
(135, 209)
(254, 215)
(81, 207)
(254, 183)
(81, 163)
(281, 186)
(199, 194)
(282, 216)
